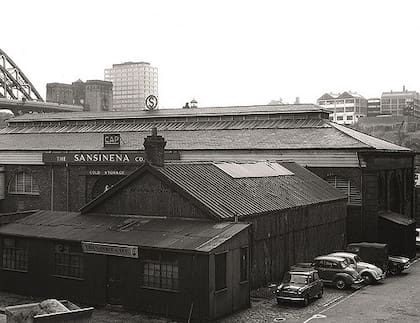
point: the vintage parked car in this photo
(370, 273)
(300, 285)
(377, 253)
(337, 271)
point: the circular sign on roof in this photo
(151, 102)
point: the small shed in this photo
(399, 232)
(183, 268)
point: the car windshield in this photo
(298, 279)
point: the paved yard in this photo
(264, 309)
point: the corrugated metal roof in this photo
(307, 138)
(396, 218)
(252, 134)
(158, 113)
(169, 126)
(311, 158)
(178, 234)
(368, 140)
(227, 197)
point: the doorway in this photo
(115, 267)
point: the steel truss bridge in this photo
(13, 82)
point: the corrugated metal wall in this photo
(296, 235)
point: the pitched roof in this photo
(320, 134)
(165, 113)
(178, 234)
(329, 96)
(368, 140)
(225, 196)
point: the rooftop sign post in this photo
(151, 102)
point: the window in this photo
(67, 262)
(344, 185)
(160, 272)
(339, 117)
(349, 118)
(220, 271)
(244, 263)
(23, 182)
(15, 255)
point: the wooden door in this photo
(114, 280)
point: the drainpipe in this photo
(67, 186)
(52, 188)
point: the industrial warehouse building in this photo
(76, 156)
(178, 238)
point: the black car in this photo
(300, 286)
(337, 271)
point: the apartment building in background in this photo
(401, 103)
(92, 95)
(132, 83)
(345, 108)
(373, 107)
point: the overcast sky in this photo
(221, 52)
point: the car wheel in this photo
(306, 300)
(367, 278)
(321, 292)
(340, 283)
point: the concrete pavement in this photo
(397, 299)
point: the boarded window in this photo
(345, 186)
(15, 255)
(244, 263)
(68, 262)
(220, 271)
(161, 272)
(23, 183)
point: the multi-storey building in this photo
(373, 107)
(60, 93)
(345, 108)
(133, 82)
(94, 95)
(401, 103)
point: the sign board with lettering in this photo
(110, 249)
(112, 140)
(110, 172)
(84, 158)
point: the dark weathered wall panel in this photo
(295, 235)
(149, 196)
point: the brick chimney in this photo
(154, 147)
